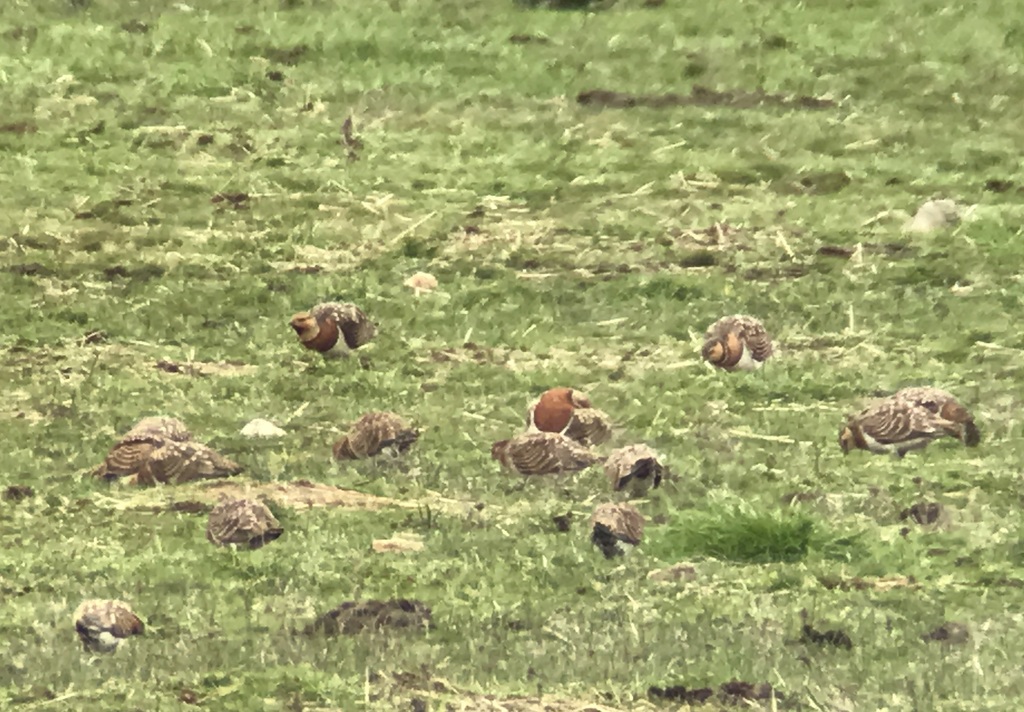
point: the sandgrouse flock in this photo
(562, 429)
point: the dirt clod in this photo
(30, 269)
(353, 617)
(136, 27)
(837, 638)
(19, 127)
(949, 632)
(238, 201)
(17, 493)
(732, 692)
(678, 693)
(996, 185)
(286, 55)
(528, 39)
(923, 512)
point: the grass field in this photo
(175, 185)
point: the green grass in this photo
(575, 245)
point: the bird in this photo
(570, 412)
(908, 420)
(242, 521)
(372, 434)
(162, 426)
(103, 624)
(175, 463)
(132, 451)
(334, 329)
(543, 454)
(616, 527)
(737, 343)
(945, 406)
(634, 468)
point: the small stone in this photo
(421, 282)
(934, 215)
(260, 428)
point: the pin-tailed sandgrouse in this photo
(737, 343)
(333, 329)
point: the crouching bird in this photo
(737, 343)
(543, 454)
(103, 624)
(909, 420)
(374, 433)
(634, 469)
(569, 412)
(247, 522)
(161, 449)
(616, 528)
(333, 329)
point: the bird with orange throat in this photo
(569, 412)
(737, 343)
(333, 329)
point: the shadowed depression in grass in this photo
(587, 188)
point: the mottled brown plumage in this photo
(333, 329)
(102, 624)
(957, 421)
(634, 468)
(353, 617)
(614, 525)
(247, 522)
(161, 426)
(175, 463)
(131, 452)
(737, 343)
(543, 454)
(908, 420)
(372, 434)
(570, 412)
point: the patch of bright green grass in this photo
(732, 534)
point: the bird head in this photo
(579, 399)
(847, 441)
(305, 326)
(342, 449)
(713, 351)
(498, 449)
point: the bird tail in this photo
(645, 468)
(402, 441)
(606, 541)
(266, 537)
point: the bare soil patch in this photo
(203, 368)
(700, 96)
(882, 583)
(301, 494)
(731, 693)
(353, 617)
